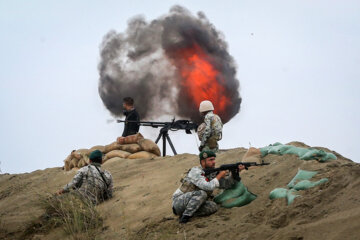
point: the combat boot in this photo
(184, 219)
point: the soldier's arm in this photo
(124, 134)
(75, 182)
(196, 177)
(207, 131)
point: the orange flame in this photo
(201, 80)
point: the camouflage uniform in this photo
(193, 200)
(211, 132)
(89, 183)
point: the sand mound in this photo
(141, 207)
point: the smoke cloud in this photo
(150, 61)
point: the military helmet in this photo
(206, 106)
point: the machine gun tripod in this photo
(165, 128)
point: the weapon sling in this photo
(103, 178)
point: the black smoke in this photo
(140, 63)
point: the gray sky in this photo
(298, 67)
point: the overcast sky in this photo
(298, 66)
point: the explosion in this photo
(169, 66)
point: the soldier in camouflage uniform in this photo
(91, 182)
(192, 197)
(210, 131)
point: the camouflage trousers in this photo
(194, 204)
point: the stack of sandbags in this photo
(77, 159)
(131, 147)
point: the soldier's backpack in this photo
(216, 126)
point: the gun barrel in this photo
(147, 124)
(174, 125)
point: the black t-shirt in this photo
(131, 128)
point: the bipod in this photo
(164, 134)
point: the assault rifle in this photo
(165, 128)
(234, 168)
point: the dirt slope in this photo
(141, 207)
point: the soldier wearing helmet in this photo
(210, 131)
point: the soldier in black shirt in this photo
(131, 114)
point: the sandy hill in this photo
(141, 207)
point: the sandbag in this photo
(83, 151)
(82, 154)
(116, 153)
(311, 154)
(67, 163)
(306, 184)
(265, 150)
(131, 148)
(76, 155)
(130, 139)
(236, 190)
(149, 146)
(252, 155)
(290, 196)
(299, 182)
(97, 147)
(73, 163)
(302, 153)
(328, 157)
(81, 163)
(111, 160)
(301, 175)
(284, 193)
(143, 155)
(240, 201)
(278, 193)
(112, 146)
(120, 140)
(321, 155)
(236, 196)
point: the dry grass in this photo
(76, 215)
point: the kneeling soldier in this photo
(91, 182)
(192, 198)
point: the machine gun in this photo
(165, 128)
(234, 168)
